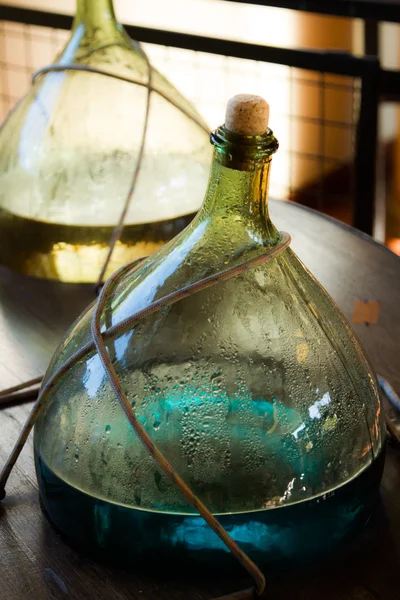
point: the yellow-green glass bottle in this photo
(256, 390)
(69, 149)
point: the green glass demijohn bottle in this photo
(255, 389)
(69, 151)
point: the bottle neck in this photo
(239, 181)
(95, 24)
(95, 13)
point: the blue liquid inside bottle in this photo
(278, 537)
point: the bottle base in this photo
(280, 538)
(76, 254)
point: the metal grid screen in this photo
(314, 115)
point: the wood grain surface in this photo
(35, 563)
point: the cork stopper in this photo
(247, 115)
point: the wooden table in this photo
(35, 563)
